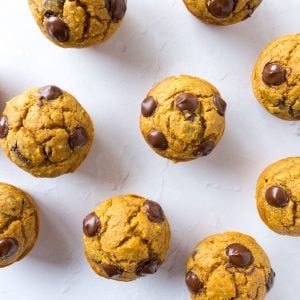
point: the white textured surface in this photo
(214, 194)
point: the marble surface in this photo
(203, 197)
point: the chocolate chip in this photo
(271, 279)
(193, 282)
(148, 107)
(154, 212)
(239, 256)
(206, 148)
(18, 153)
(49, 92)
(111, 270)
(221, 8)
(78, 138)
(3, 127)
(157, 140)
(147, 266)
(49, 13)
(91, 225)
(277, 197)
(8, 247)
(220, 104)
(187, 102)
(116, 9)
(57, 29)
(273, 74)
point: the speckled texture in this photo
(39, 131)
(285, 174)
(89, 21)
(184, 132)
(18, 220)
(243, 9)
(281, 100)
(127, 237)
(224, 282)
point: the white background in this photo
(210, 195)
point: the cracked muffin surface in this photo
(126, 237)
(278, 196)
(183, 118)
(228, 266)
(276, 76)
(46, 132)
(78, 23)
(19, 225)
(222, 12)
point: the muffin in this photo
(228, 266)
(126, 237)
(19, 224)
(275, 78)
(222, 12)
(78, 23)
(46, 132)
(278, 196)
(183, 118)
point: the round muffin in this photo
(19, 224)
(275, 77)
(222, 12)
(228, 266)
(182, 118)
(126, 237)
(69, 23)
(278, 196)
(46, 132)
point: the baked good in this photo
(278, 196)
(46, 132)
(126, 237)
(228, 266)
(222, 12)
(19, 224)
(276, 75)
(182, 118)
(74, 23)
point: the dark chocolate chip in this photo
(49, 13)
(49, 92)
(239, 256)
(3, 127)
(147, 266)
(91, 225)
(157, 140)
(78, 138)
(271, 279)
(273, 74)
(57, 29)
(8, 247)
(18, 153)
(220, 104)
(206, 148)
(277, 197)
(111, 270)
(148, 107)
(154, 212)
(193, 282)
(187, 102)
(221, 8)
(116, 9)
